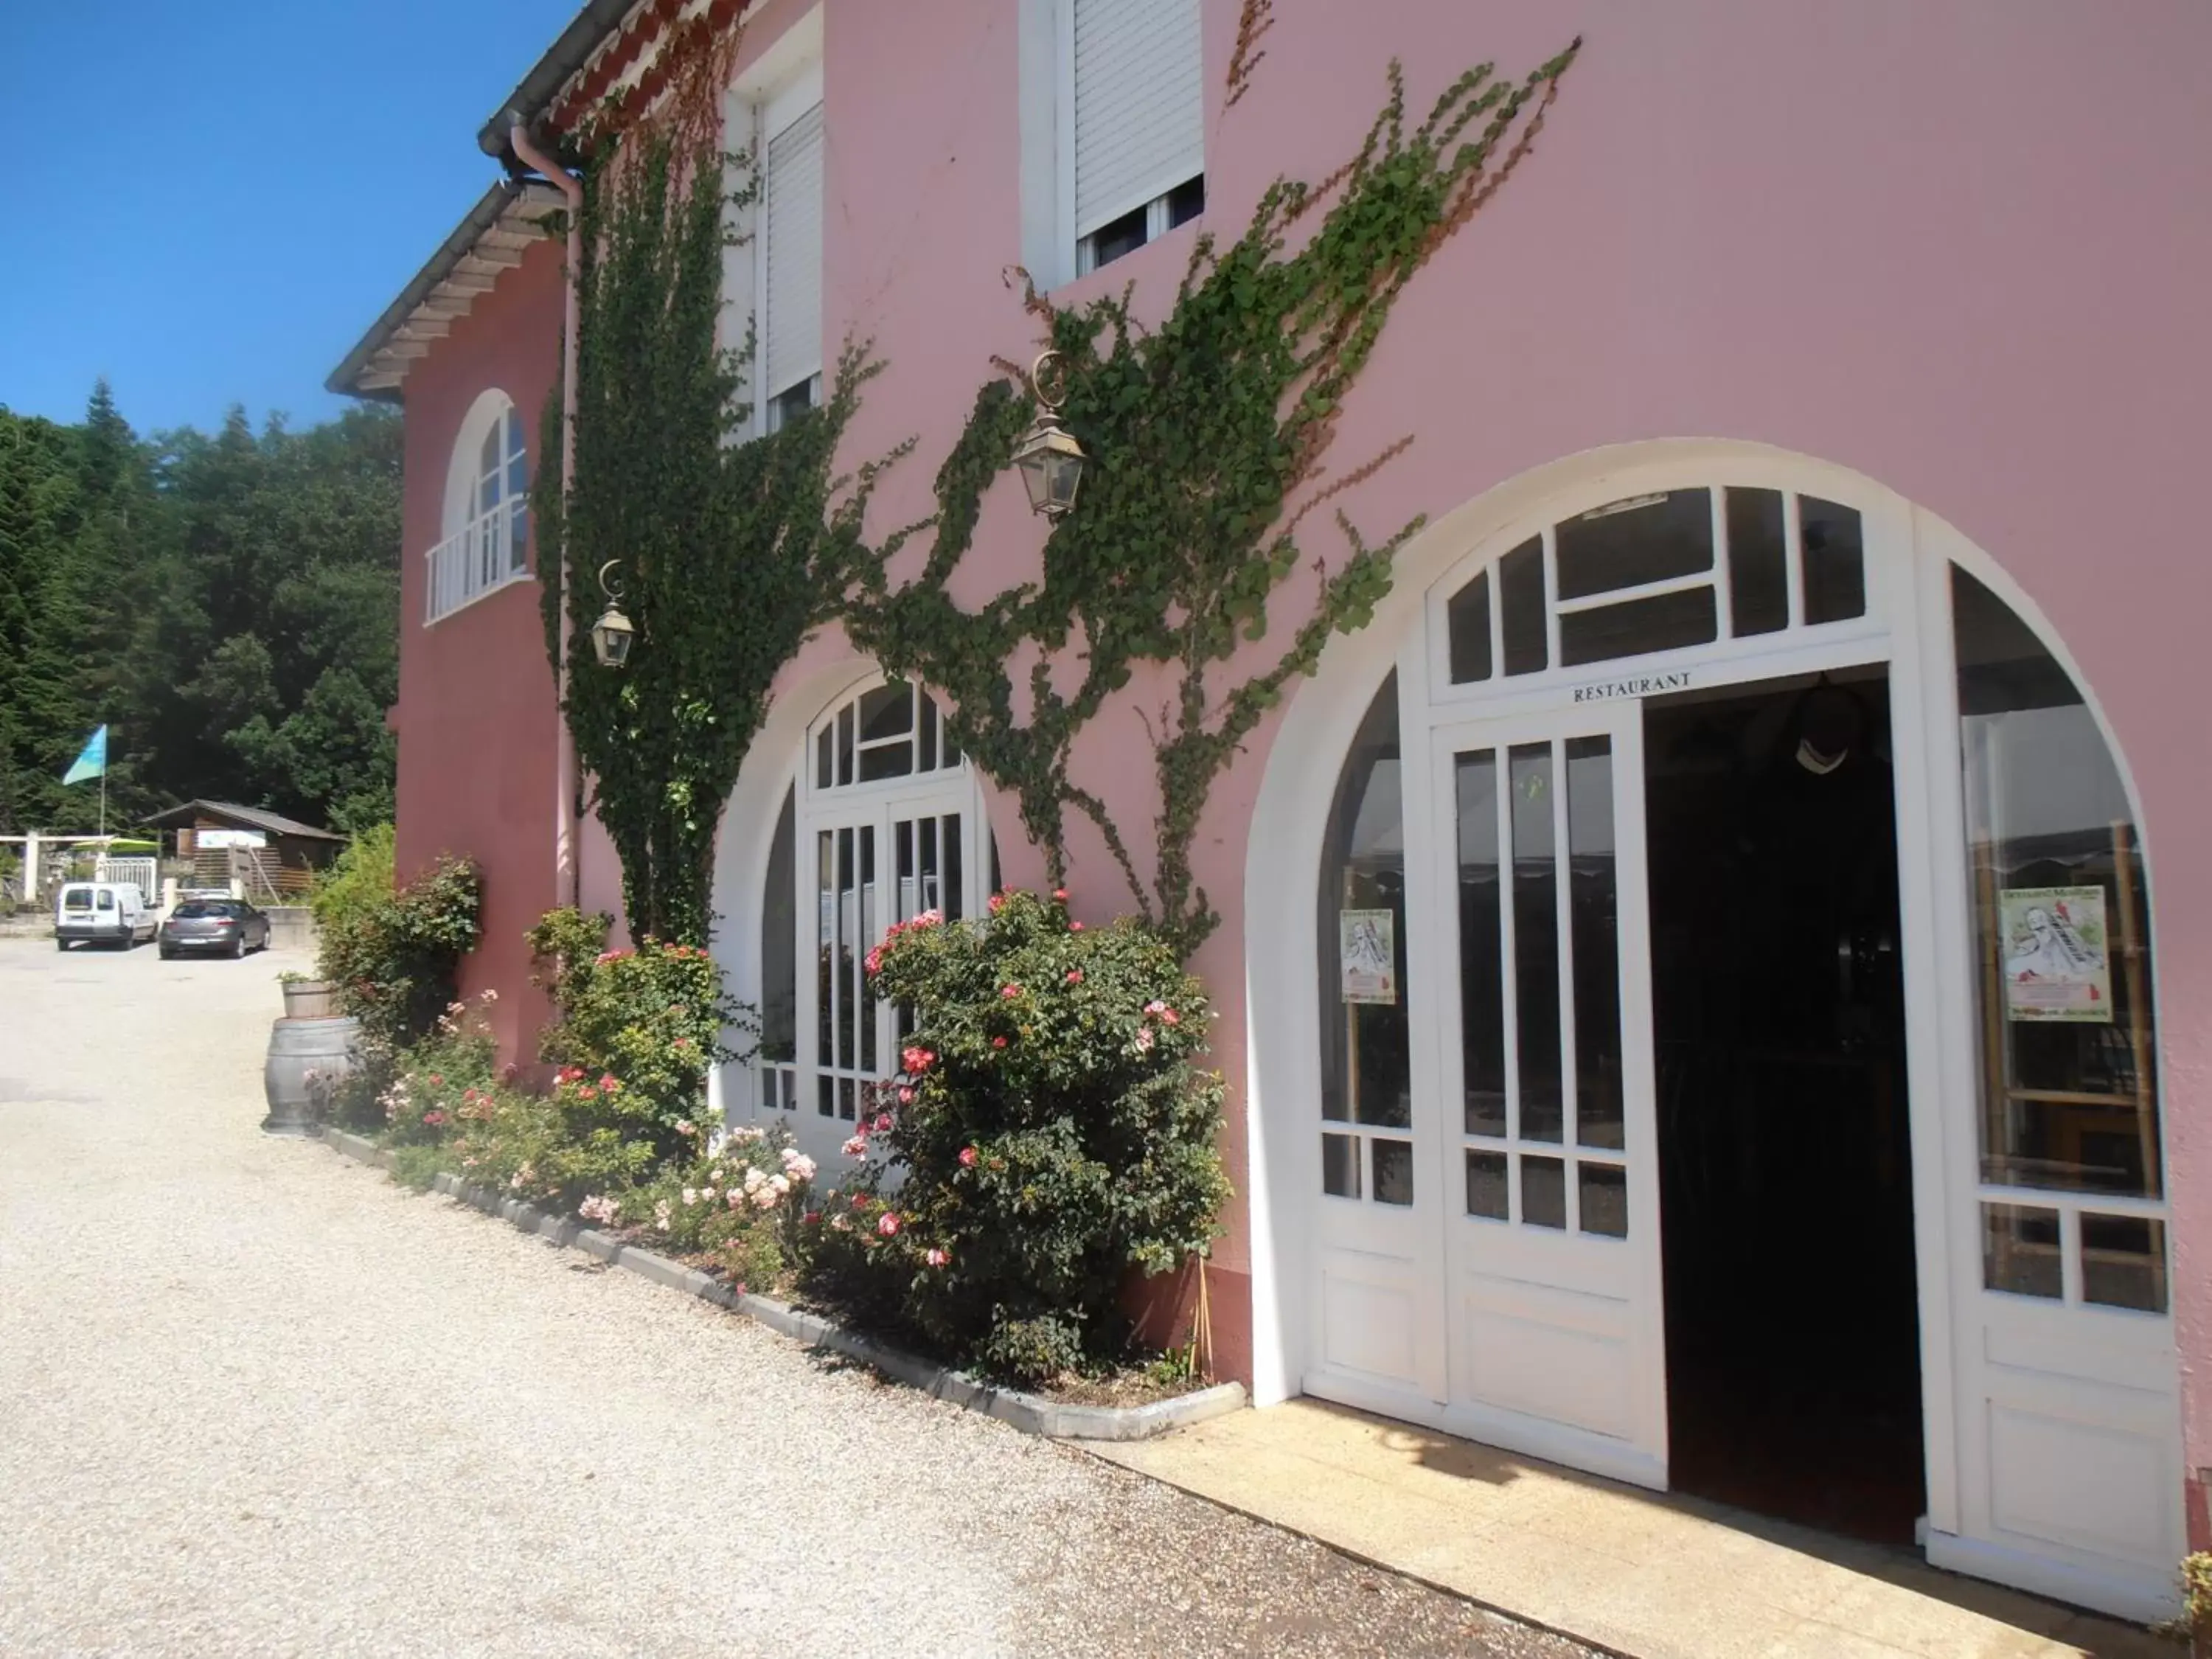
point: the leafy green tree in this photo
(228, 605)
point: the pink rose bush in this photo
(636, 1031)
(741, 1203)
(638, 1028)
(1051, 1132)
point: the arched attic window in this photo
(486, 542)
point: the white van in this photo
(101, 913)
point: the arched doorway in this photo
(877, 817)
(1707, 1092)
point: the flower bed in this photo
(1049, 1137)
(1081, 1413)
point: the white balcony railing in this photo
(490, 551)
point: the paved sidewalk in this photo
(255, 1399)
(1657, 1576)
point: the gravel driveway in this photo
(254, 1399)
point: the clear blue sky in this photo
(209, 203)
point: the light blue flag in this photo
(93, 762)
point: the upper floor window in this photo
(787, 276)
(487, 516)
(1112, 129)
(1133, 122)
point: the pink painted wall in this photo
(476, 725)
(1961, 249)
(1958, 248)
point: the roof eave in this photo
(536, 90)
(368, 370)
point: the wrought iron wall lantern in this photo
(613, 634)
(1051, 460)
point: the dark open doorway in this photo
(1793, 1360)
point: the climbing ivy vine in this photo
(1209, 438)
(730, 553)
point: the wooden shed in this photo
(273, 857)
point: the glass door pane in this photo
(1560, 1081)
(1552, 1292)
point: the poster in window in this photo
(1367, 954)
(2057, 964)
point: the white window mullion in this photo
(1564, 920)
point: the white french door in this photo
(1488, 1256)
(869, 863)
(1551, 1278)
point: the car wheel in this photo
(61, 945)
(238, 948)
(168, 954)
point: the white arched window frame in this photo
(485, 527)
(882, 818)
(2050, 1376)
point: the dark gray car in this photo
(229, 927)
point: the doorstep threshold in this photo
(1641, 1574)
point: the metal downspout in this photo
(568, 861)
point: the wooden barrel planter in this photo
(307, 1057)
(310, 999)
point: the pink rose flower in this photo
(857, 1147)
(1061, 893)
(1074, 926)
(967, 1157)
(888, 1224)
(906, 1096)
(937, 1258)
(437, 1082)
(1009, 990)
(998, 1042)
(882, 1122)
(1075, 976)
(917, 1060)
(811, 1219)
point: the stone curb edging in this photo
(1026, 1412)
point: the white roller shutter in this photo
(791, 348)
(1139, 113)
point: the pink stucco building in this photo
(1769, 785)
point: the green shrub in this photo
(394, 958)
(556, 1149)
(1051, 1133)
(360, 879)
(651, 1021)
(418, 1166)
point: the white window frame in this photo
(477, 553)
(788, 1092)
(773, 91)
(1053, 250)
